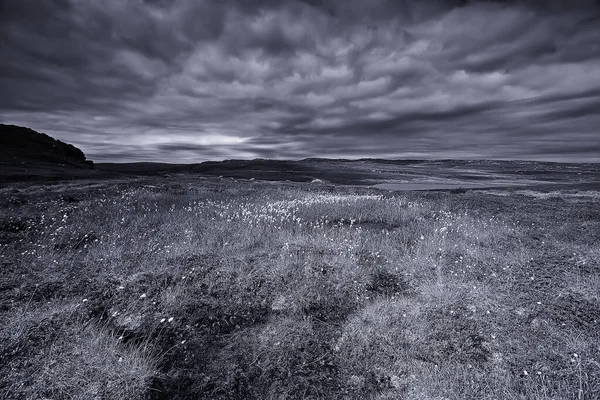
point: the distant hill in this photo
(21, 145)
(27, 155)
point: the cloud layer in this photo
(190, 80)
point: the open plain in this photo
(248, 283)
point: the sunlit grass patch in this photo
(93, 363)
(49, 352)
(31, 324)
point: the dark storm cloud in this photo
(189, 80)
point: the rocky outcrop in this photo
(20, 144)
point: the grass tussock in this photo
(212, 289)
(52, 353)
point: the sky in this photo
(195, 80)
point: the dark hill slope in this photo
(20, 144)
(29, 155)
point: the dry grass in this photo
(203, 289)
(51, 353)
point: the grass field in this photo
(181, 288)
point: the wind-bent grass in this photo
(202, 289)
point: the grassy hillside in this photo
(199, 288)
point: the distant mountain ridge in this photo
(20, 145)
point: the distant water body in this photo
(434, 186)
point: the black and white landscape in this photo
(300, 199)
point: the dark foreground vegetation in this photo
(203, 288)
